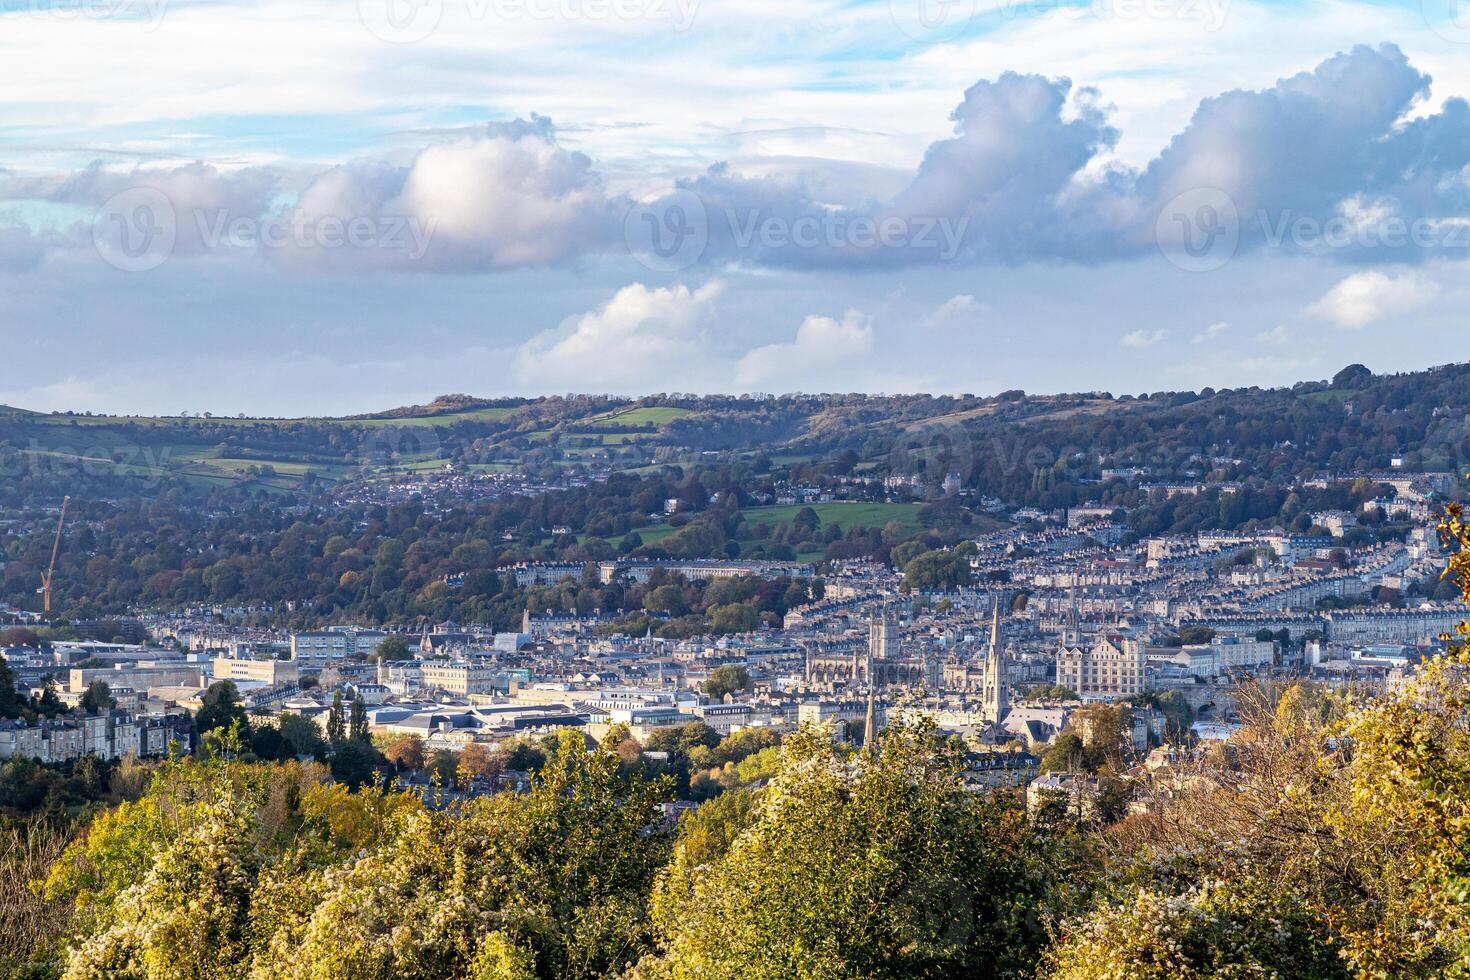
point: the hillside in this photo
(1050, 450)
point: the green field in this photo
(637, 416)
(846, 514)
(419, 421)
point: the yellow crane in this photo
(45, 588)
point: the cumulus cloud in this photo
(20, 249)
(1142, 339)
(197, 202)
(1367, 297)
(1210, 333)
(1340, 161)
(820, 342)
(1324, 162)
(640, 336)
(509, 197)
(958, 309)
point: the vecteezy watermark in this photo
(409, 21)
(1450, 19)
(1211, 14)
(1201, 229)
(296, 229)
(1393, 232)
(406, 446)
(932, 21)
(936, 451)
(136, 230)
(148, 13)
(1198, 230)
(147, 463)
(139, 229)
(668, 233)
(672, 232)
(840, 232)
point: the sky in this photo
(284, 208)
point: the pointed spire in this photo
(996, 701)
(870, 726)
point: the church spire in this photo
(870, 726)
(996, 702)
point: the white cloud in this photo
(1278, 335)
(820, 342)
(1210, 333)
(70, 394)
(957, 309)
(1140, 339)
(1367, 297)
(641, 336)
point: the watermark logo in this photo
(671, 232)
(148, 13)
(405, 235)
(149, 465)
(136, 230)
(932, 21)
(411, 447)
(140, 229)
(1450, 19)
(943, 237)
(936, 919)
(1198, 230)
(401, 21)
(667, 233)
(937, 452)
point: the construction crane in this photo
(45, 588)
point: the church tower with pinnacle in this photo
(996, 703)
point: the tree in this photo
(266, 742)
(562, 871)
(11, 703)
(444, 765)
(880, 865)
(336, 721)
(1192, 636)
(937, 571)
(19, 636)
(736, 617)
(394, 647)
(48, 705)
(726, 679)
(666, 599)
(354, 762)
(97, 698)
(358, 726)
(302, 736)
(479, 761)
(1214, 931)
(406, 752)
(220, 707)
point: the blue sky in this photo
(285, 208)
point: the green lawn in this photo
(638, 416)
(847, 514)
(449, 418)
